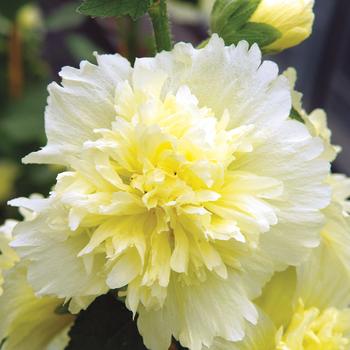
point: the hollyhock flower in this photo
(187, 185)
(8, 256)
(316, 121)
(24, 318)
(306, 308)
(336, 230)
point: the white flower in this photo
(336, 230)
(187, 181)
(306, 308)
(8, 256)
(24, 318)
(28, 322)
(316, 121)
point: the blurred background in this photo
(37, 38)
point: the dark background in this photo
(52, 35)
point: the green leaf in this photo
(260, 33)
(115, 8)
(105, 325)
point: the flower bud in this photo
(293, 18)
(274, 25)
(29, 18)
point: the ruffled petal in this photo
(196, 314)
(70, 117)
(26, 319)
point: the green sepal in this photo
(294, 114)
(260, 33)
(2, 343)
(230, 19)
(115, 8)
(232, 13)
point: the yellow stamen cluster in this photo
(312, 329)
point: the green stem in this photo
(160, 21)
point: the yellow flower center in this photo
(313, 329)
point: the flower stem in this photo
(15, 63)
(160, 22)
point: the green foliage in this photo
(23, 121)
(64, 17)
(10, 9)
(115, 8)
(81, 47)
(105, 325)
(230, 19)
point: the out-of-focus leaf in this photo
(5, 26)
(105, 325)
(23, 120)
(115, 8)
(64, 17)
(81, 47)
(8, 174)
(9, 10)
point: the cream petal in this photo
(321, 280)
(83, 103)
(26, 319)
(194, 325)
(55, 253)
(250, 91)
(125, 269)
(258, 337)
